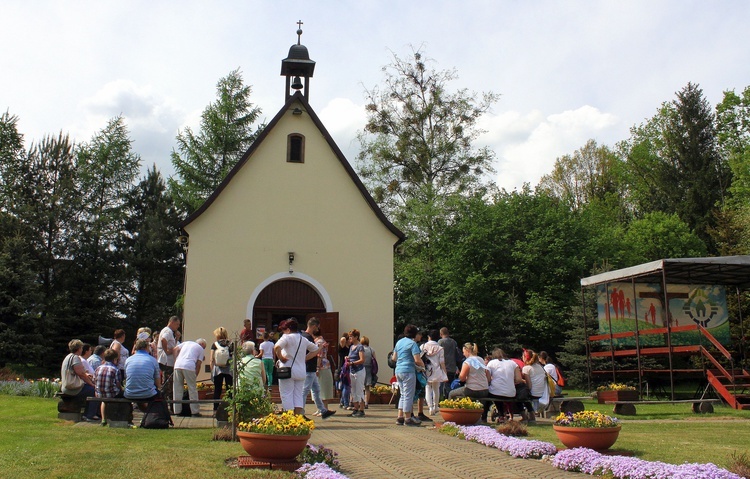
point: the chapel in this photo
(291, 232)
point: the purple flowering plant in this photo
(320, 454)
(621, 467)
(523, 448)
(318, 470)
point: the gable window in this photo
(295, 148)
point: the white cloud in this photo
(344, 119)
(527, 145)
(152, 119)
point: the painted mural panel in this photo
(622, 307)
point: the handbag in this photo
(285, 372)
(73, 382)
(391, 362)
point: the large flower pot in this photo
(597, 438)
(205, 394)
(603, 396)
(272, 447)
(380, 398)
(464, 417)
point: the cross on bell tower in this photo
(297, 65)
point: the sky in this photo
(566, 71)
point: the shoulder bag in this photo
(72, 380)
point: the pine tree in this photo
(203, 160)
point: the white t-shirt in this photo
(503, 377)
(551, 370)
(190, 353)
(267, 348)
(538, 379)
(87, 366)
(162, 356)
(288, 344)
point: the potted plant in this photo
(275, 437)
(616, 392)
(462, 411)
(205, 390)
(380, 394)
(590, 429)
(250, 402)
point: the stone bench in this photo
(565, 404)
(119, 411)
(70, 408)
(699, 406)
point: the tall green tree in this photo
(732, 232)
(152, 256)
(591, 173)
(675, 165)
(659, 235)
(202, 160)
(417, 146)
(506, 268)
(107, 168)
(418, 159)
(41, 196)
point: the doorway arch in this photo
(285, 295)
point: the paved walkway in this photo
(375, 447)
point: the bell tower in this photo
(297, 65)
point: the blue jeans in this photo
(312, 384)
(346, 393)
(406, 388)
(92, 407)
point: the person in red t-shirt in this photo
(247, 332)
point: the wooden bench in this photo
(699, 406)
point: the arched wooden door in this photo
(284, 299)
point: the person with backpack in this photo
(553, 371)
(435, 370)
(222, 351)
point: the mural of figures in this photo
(621, 306)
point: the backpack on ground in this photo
(560, 378)
(221, 356)
(157, 416)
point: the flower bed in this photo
(319, 470)
(523, 448)
(621, 467)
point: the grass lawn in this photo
(35, 444)
(672, 433)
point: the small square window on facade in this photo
(295, 148)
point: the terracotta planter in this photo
(597, 438)
(464, 417)
(272, 447)
(205, 394)
(380, 398)
(603, 396)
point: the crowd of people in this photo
(159, 365)
(428, 366)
